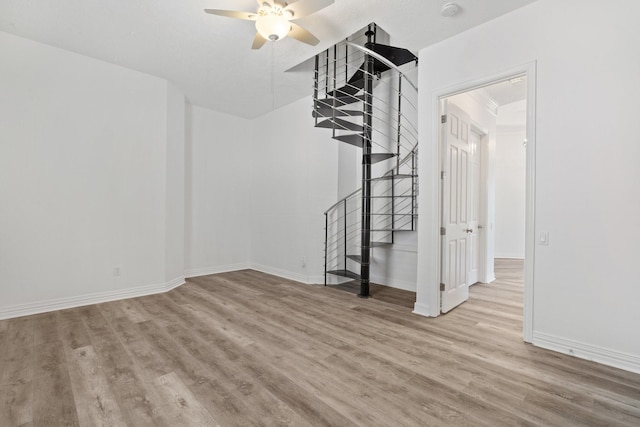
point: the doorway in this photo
(486, 194)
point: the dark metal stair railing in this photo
(388, 203)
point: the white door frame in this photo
(528, 69)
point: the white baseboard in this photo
(89, 299)
(196, 272)
(602, 355)
(423, 310)
(308, 280)
(496, 256)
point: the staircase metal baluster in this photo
(335, 93)
(346, 61)
(345, 234)
(326, 73)
(326, 238)
(315, 93)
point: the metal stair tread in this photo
(396, 176)
(394, 214)
(380, 157)
(341, 100)
(391, 229)
(353, 139)
(339, 124)
(345, 273)
(397, 55)
(380, 244)
(327, 112)
(356, 258)
(390, 197)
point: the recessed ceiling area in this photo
(209, 58)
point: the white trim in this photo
(530, 203)
(490, 279)
(503, 256)
(297, 277)
(598, 354)
(422, 310)
(196, 272)
(89, 299)
(528, 69)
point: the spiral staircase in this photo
(363, 96)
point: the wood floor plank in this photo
(16, 404)
(354, 369)
(256, 402)
(71, 329)
(96, 405)
(183, 407)
(137, 402)
(53, 401)
(133, 310)
(312, 409)
(45, 328)
(16, 365)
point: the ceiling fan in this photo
(273, 19)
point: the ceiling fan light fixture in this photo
(273, 27)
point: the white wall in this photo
(83, 185)
(510, 194)
(294, 170)
(218, 192)
(510, 182)
(585, 296)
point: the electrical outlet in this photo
(116, 271)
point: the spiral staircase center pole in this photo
(365, 242)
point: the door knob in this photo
(480, 227)
(469, 230)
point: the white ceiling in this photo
(209, 57)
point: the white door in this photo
(456, 207)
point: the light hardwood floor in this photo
(246, 348)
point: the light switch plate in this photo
(543, 238)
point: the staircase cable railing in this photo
(394, 191)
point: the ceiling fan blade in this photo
(302, 8)
(258, 41)
(300, 34)
(233, 14)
